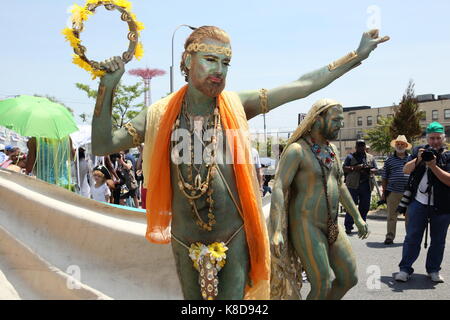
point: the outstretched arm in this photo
(313, 81)
(104, 139)
(287, 169)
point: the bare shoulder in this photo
(293, 153)
(294, 149)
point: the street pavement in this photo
(377, 263)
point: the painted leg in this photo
(343, 263)
(233, 276)
(311, 246)
(187, 274)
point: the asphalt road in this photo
(377, 263)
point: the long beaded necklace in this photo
(326, 162)
(196, 187)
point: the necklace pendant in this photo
(198, 182)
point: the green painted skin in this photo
(233, 277)
(300, 175)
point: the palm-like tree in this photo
(147, 75)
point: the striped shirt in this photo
(393, 173)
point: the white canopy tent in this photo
(82, 139)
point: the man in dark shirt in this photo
(358, 167)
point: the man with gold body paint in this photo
(205, 73)
(303, 219)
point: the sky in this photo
(274, 42)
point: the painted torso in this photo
(227, 216)
(308, 202)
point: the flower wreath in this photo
(81, 14)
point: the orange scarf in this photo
(159, 197)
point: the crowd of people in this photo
(416, 184)
(12, 158)
(116, 178)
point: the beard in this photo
(207, 87)
(331, 135)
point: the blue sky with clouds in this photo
(274, 42)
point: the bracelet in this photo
(263, 101)
(344, 60)
(132, 132)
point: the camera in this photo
(428, 154)
(404, 202)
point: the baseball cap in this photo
(435, 127)
(9, 148)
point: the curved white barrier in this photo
(50, 238)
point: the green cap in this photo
(435, 127)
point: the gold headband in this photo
(203, 47)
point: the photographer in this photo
(394, 183)
(429, 167)
(358, 167)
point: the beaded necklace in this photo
(194, 188)
(327, 157)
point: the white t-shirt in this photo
(423, 185)
(100, 193)
(256, 160)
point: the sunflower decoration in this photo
(208, 261)
(81, 14)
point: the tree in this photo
(407, 116)
(84, 117)
(123, 107)
(147, 75)
(380, 136)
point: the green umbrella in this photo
(36, 117)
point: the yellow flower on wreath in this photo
(68, 33)
(139, 51)
(79, 14)
(86, 66)
(123, 3)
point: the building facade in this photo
(359, 119)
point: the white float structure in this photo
(55, 244)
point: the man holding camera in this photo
(358, 168)
(429, 189)
(394, 183)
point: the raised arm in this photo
(287, 169)
(104, 140)
(312, 81)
